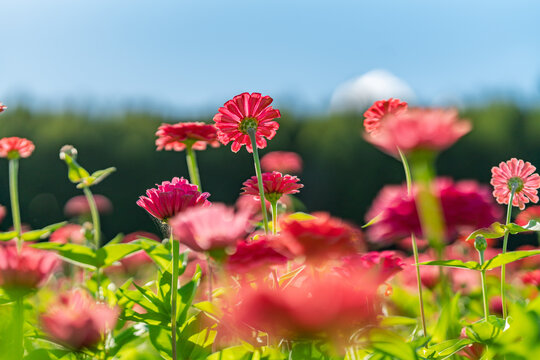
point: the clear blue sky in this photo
(188, 54)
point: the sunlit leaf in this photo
(77, 254)
(445, 349)
(494, 231)
(109, 254)
(508, 257)
(473, 265)
(42, 233)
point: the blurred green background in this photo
(342, 173)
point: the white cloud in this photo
(359, 93)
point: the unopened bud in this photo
(68, 150)
(480, 243)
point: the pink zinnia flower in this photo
(282, 161)
(379, 110)
(275, 185)
(250, 257)
(531, 277)
(177, 136)
(419, 129)
(16, 147)
(531, 213)
(210, 228)
(70, 233)
(375, 265)
(171, 198)
(25, 270)
(78, 205)
(466, 206)
(519, 174)
(243, 112)
(2, 107)
(77, 321)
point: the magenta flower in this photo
(177, 136)
(283, 161)
(16, 147)
(519, 174)
(77, 321)
(172, 197)
(251, 257)
(210, 228)
(2, 107)
(78, 205)
(379, 110)
(275, 185)
(243, 112)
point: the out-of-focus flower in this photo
(172, 197)
(377, 266)
(531, 262)
(531, 277)
(78, 205)
(25, 270)
(283, 161)
(463, 280)
(531, 213)
(466, 206)
(210, 228)
(318, 239)
(2, 107)
(16, 147)
(251, 257)
(418, 129)
(429, 275)
(379, 110)
(243, 112)
(275, 185)
(519, 174)
(495, 305)
(133, 262)
(177, 136)
(2, 213)
(70, 233)
(77, 321)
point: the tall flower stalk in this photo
(481, 245)
(175, 248)
(258, 172)
(14, 195)
(193, 168)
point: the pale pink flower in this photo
(379, 110)
(16, 147)
(286, 162)
(78, 205)
(70, 233)
(519, 174)
(275, 185)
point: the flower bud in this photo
(68, 150)
(480, 243)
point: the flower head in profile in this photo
(77, 321)
(16, 147)
(2, 107)
(246, 111)
(379, 110)
(286, 162)
(172, 197)
(275, 185)
(210, 228)
(179, 136)
(78, 205)
(518, 175)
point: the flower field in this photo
(430, 273)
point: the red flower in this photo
(318, 239)
(177, 136)
(516, 173)
(379, 110)
(2, 107)
(282, 161)
(77, 321)
(531, 277)
(531, 213)
(25, 270)
(243, 112)
(466, 206)
(210, 228)
(15, 147)
(418, 129)
(78, 205)
(70, 233)
(275, 185)
(378, 266)
(171, 198)
(250, 257)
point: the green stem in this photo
(193, 169)
(19, 327)
(257, 161)
(505, 244)
(274, 217)
(414, 245)
(210, 278)
(14, 194)
(175, 248)
(95, 216)
(484, 286)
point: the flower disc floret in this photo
(16, 147)
(518, 175)
(178, 136)
(246, 111)
(172, 197)
(275, 185)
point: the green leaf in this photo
(485, 332)
(186, 294)
(76, 173)
(494, 231)
(391, 344)
(42, 233)
(6, 236)
(397, 320)
(373, 221)
(77, 254)
(109, 254)
(509, 257)
(47, 354)
(533, 225)
(473, 265)
(100, 175)
(157, 252)
(445, 349)
(301, 216)
(117, 239)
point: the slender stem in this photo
(175, 248)
(14, 194)
(505, 244)
(95, 216)
(484, 286)
(414, 245)
(193, 169)
(274, 217)
(251, 133)
(19, 327)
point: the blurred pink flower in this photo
(77, 321)
(531, 213)
(429, 275)
(466, 204)
(246, 111)
(2, 213)
(251, 257)
(210, 228)
(70, 233)
(519, 173)
(495, 305)
(133, 262)
(531, 277)
(172, 197)
(15, 147)
(275, 185)
(379, 110)
(25, 270)
(78, 205)
(418, 129)
(283, 161)
(377, 266)
(177, 136)
(2, 107)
